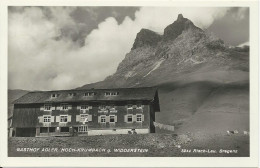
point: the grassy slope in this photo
(205, 106)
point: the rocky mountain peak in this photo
(172, 31)
(146, 37)
(180, 17)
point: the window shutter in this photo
(99, 119)
(115, 118)
(89, 117)
(69, 118)
(42, 108)
(142, 117)
(134, 118)
(40, 119)
(78, 107)
(52, 108)
(125, 118)
(52, 118)
(107, 118)
(69, 107)
(57, 118)
(77, 118)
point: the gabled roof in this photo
(124, 94)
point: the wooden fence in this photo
(164, 126)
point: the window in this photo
(139, 106)
(114, 93)
(129, 118)
(84, 107)
(102, 107)
(54, 95)
(103, 119)
(46, 119)
(64, 129)
(129, 106)
(64, 106)
(83, 117)
(63, 118)
(139, 118)
(47, 107)
(72, 94)
(112, 119)
(82, 128)
(89, 94)
(112, 109)
(111, 93)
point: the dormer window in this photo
(54, 95)
(89, 94)
(111, 93)
(72, 94)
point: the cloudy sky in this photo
(66, 47)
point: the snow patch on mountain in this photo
(156, 65)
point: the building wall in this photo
(26, 116)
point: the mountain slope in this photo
(198, 77)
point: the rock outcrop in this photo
(146, 37)
(172, 31)
(182, 52)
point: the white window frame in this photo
(102, 108)
(131, 117)
(114, 118)
(104, 117)
(64, 105)
(61, 116)
(140, 117)
(112, 109)
(139, 106)
(89, 94)
(48, 118)
(111, 93)
(81, 117)
(72, 94)
(54, 95)
(128, 106)
(83, 128)
(84, 107)
(47, 105)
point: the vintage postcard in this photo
(159, 83)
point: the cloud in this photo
(42, 55)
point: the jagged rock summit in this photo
(172, 31)
(146, 37)
(182, 53)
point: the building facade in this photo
(85, 112)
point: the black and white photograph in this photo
(88, 81)
(128, 81)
